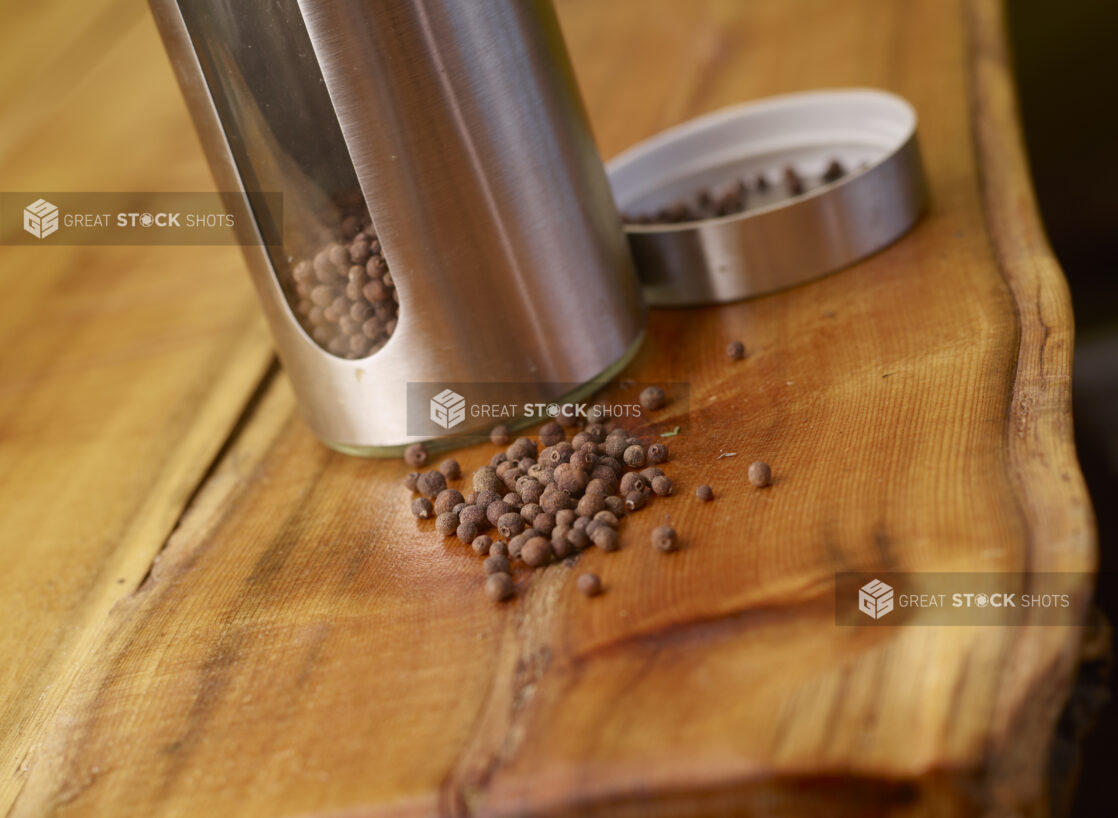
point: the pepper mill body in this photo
(445, 215)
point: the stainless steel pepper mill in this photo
(457, 130)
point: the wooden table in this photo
(206, 612)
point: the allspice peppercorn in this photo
(499, 435)
(416, 455)
(482, 499)
(496, 510)
(634, 456)
(561, 546)
(578, 538)
(589, 584)
(632, 481)
(543, 523)
(605, 538)
(496, 564)
(664, 538)
(590, 504)
(735, 350)
(410, 480)
(662, 486)
(635, 500)
(657, 453)
(430, 483)
(467, 532)
(551, 433)
(499, 587)
(447, 523)
(705, 493)
(760, 474)
(422, 508)
(447, 499)
(482, 545)
(450, 469)
(616, 505)
(486, 479)
(607, 517)
(521, 447)
(653, 398)
(510, 524)
(570, 479)
(536, 552)
(473, 514)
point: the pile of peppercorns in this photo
(546, 504)
(711, 203)
(345, 297)
(549, 504)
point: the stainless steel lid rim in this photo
(775, 245)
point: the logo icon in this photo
(448, 409)
(40, 218)
(875, 599)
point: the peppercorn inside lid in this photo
(766, 195)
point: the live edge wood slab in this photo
(206, 612)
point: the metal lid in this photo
(782, 237)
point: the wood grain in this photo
(122, 370)
(303, 646)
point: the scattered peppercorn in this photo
(735, 350)
(605, 538)
(510, 524)
(578, 538)
(430, 483)
(496, 564)
(634, 456)
(499, 435)
(499, 587)
(664, 538)
(589, 584)
(760, 474)
(486, 479)
(635, 500)
(548, 503)
(536, 552)
(473, 514)
(705, 493)
(416, 455)
(521, 447)
(551, 433)
(653, 398)
(410, 480)
(543, 523)
(560, 545)
(632, 481)
(446, 500)
(446, 523)
(590, 504)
